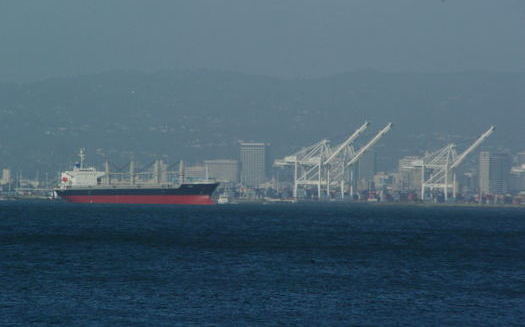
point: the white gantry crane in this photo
(439, 167)
(306, 163)
(335, 163)
(319, 165)
(349, 157)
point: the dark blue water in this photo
(74, 265)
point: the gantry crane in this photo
(306, 164)
(438, 167)
(351, 157)
(319, 165)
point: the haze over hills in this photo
(195, 115)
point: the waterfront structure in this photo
(253, 163)
(439, 168)
(6, 176)
(521, 158)
(468, 182)
(517, 179)
(494, 172)
(486, 186)
(223, 170)
(409, 170)
(327, 168)
(384, 181)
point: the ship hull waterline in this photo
(196, 194)
(141, 199)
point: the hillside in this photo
(203, 114)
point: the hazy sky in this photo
(40, 39)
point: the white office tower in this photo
(494, 171)
(253, 164)
(6, 176)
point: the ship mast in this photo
(82, 156)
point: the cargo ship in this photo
(88, 185)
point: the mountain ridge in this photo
(197, 115)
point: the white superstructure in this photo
(80, 176)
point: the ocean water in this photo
(316, 264)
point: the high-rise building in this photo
(6, 176)
(484, 172)
(517, 179)
(521, 158)
(494, 170)
(517, 174)
(253, 164)
(223, 170)
(409, 174)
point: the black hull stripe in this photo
(185, 189)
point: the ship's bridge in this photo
(80, 177)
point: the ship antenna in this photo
(82, 156)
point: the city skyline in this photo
(493, 178)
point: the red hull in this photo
(141, 199)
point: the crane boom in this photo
(474, 145)
(305, 154)
(348, 141)
(373, 141)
